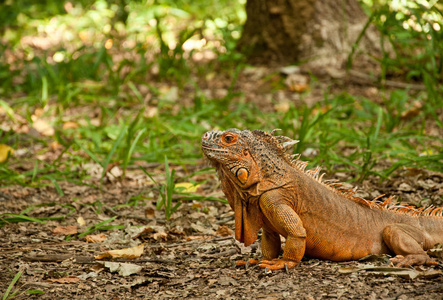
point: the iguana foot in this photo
(413, 259)
(277, 264)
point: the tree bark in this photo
(321, 33)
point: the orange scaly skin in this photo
(267, 189)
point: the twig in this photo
(396, 84)
(420, 291)
(56, 258)
(40, 245)
(223, 238)
(131, 216)
(229, 252)
(225, 220)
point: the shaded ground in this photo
(191, 256)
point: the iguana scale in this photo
(270, 189)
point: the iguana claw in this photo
(278, 264)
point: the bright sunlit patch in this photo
(58, 56)
(108, 44)
(194, 44)
(436, 26)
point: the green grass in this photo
(8, 294)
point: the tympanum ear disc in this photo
(242, 175)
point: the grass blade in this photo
(113, 149)
(11, 285)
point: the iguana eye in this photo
(229, 139)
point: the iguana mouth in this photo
(213, 149)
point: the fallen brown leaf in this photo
(55, 145)
(146, 230)
(64, 230)
(43, 127)
(160, 236)
(68, 279)
(224, 231)
(150, 213)
(70, 125)
(128, 253)
(95, 238)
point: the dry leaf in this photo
(224, 231)
(413, 111)
(5, 150)
(146, 230)
(436, 251)
(70, 125)
(81, 221)
(160, 235)
(95, 238)
(128, 253)
(43, 127)
(68, 279)
(297, 82)
(150, 213)
(123, 269)
(282, 107)
(55, 145)
(186, 187)
(38, 112)
(151, 111)
(64, 230)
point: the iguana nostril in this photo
(206, 136)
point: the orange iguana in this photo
(269, 189)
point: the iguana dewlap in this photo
(268, 189)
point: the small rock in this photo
(404, 187)
(426, 184)
(310, 152)
(290, 70)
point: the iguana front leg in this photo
(284, 220)
(408, 243)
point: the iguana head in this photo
(248, 157)
(230, 150)
(249, 163)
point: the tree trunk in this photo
(321, 33)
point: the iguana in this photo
(267, 188)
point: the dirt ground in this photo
(192, 256)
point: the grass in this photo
(7, 294)
(109, 109)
